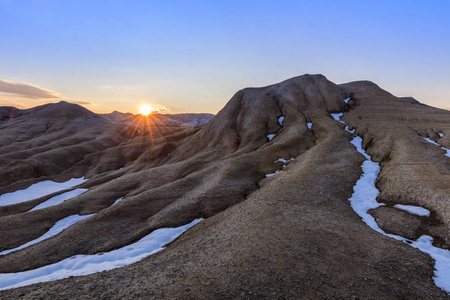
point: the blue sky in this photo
(192, 56)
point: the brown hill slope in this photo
(289, 236)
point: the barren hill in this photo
(274, 176)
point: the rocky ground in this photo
(288, 236)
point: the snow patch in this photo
(59, 199)
(441, 134)
(57, 228)
(309, 125)
(442, 258)
(285, 161)
(364, 192)
(434, 143)
(272, 174)
(271, 136)
(431, 141)
(337, 117)
(118, 200)
(346, 100)
(38, 190)
(351, 131)
(364, 198)
(280, 120)
(415, 210)
(88, 264)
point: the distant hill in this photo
(188, 119)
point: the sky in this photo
(192, 56)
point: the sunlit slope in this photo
(290, 235)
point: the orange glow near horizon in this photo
(145, 109)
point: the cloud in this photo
(82, 103)
(25, 90)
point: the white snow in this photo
(337, 117)
(441, 134)
(38, 190)
(118, 200)
(309, 124)
(351, 131)
(364, 198)
(415, 210)
(280, 120)
(431, 141)
(272, 174)
(434, 143)
(364, 192)
(57, 228)
(270, 136)
(88, 264)
(59, 199)
(442, 258)
(346, 100)
(283, 160)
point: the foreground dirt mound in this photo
(290, 235)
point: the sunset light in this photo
(145, 109)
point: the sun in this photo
(145, 109)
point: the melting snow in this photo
(364, 198)
(337, 117)
(365, 193)
(415, 210)
(88, 264)
(57, 228)
(431, 141)
(434, 143)
(38, 190)
(283, 160)
(272, 174)
(309, 124)
(118, 200)
(59, 199)
(280, 120)
(270, 136)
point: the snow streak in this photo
(88, 264)
(364, 198)
(57, 228)
(38, 190)
(434, 143)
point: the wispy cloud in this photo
(81, 102)
(25, 90)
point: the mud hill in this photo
(271, 175)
